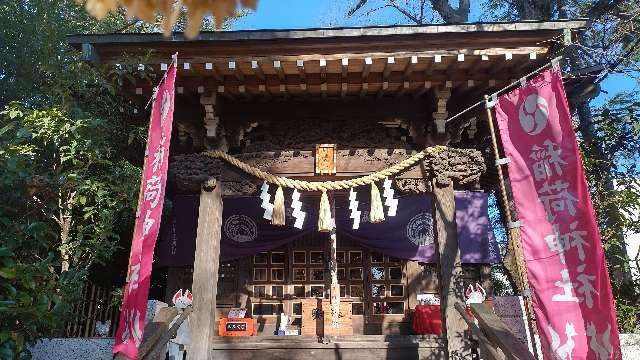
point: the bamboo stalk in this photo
(513, 233)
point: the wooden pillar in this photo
(205, 272)
(451, 286)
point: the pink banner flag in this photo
(565, 262)
(150, 202)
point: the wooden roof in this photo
(398, 60)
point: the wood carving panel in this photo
(462, 166)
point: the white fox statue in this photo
(175, 347)
(475, 295)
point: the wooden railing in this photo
(496, 341)
(95, 305)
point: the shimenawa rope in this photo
(326, 185)
(325, 222)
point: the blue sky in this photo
(293, 14)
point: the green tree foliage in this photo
(612, 154)
(70, 161)
(69, 165)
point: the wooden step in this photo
(343, 348)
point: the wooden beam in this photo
(474, 64)
(425, 87)
(387, 67)
(221, 90)
(154, 330)
(344, 62)
(499, 334)
(374, 79)
(301, 70)
(262, 89)
(404, 89)
(257, 69)
(214, 72)
(278, 67)
(451, 285)
(367, 67)
(205, 271)
(455, 65)
(486, 346)
(429, 69)
(497, 53)
(408, 69)
(283, 90)
(243, 91)
(323, 69)
(364, 89)
(385, 86)
(404, 36)
(159, 350)
(300, 164)
(236, 71)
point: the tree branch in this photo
(449, 14)
(404, 12)
(43, 207)
(354, 9)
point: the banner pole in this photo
(514, 244)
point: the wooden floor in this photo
(358, 347)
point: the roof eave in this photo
(256, 35)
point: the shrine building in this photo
(325, 105)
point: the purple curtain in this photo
(408, 235)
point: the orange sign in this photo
(236, 327)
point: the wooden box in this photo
(316, 318)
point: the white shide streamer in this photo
(353, 206)
(389, 200)
(266, 201)
(298, 214)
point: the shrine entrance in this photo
(382, 270)
(284, 279)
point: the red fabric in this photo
(561, 242)
(427, 320)
(134, 304)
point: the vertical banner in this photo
(147, 225)
(563, 252)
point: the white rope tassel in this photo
(389, 200)
(353, 206)
(298, 214)
(335, 288)
(266, 201)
